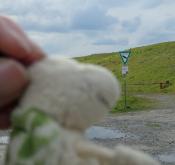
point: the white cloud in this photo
(80, 27)
(152, 22)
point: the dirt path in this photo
(152, 131)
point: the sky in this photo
(80, 27)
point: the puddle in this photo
(4, 139)
(97, 132)
(168, 158)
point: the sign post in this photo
(125, 56)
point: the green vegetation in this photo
(147, 65)
(133, 104)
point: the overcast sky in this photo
(81, 27)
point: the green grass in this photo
(133, 104)
(147, 65)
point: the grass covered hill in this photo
(147, 65)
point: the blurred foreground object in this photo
(64, 98)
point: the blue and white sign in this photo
(124, 70)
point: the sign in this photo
(125, 56)
(124, 70)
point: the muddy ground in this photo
(152, 131)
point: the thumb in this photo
(13, 79)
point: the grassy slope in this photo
(148, 64)
(154, 63)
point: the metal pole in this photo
(125, 99)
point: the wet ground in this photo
(151, 131)
(110, 137)
(97, 132)
(167, 157)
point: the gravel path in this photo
(152, 131)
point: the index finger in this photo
(14, 43)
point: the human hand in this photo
(17, 52)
